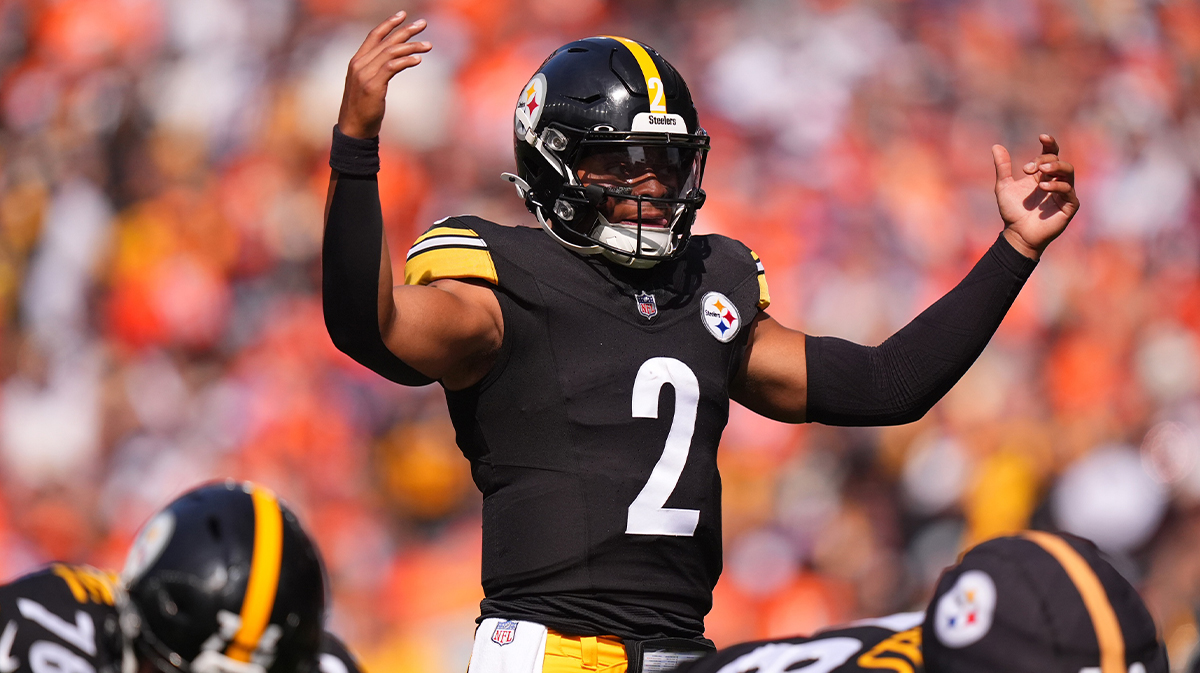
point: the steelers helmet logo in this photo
(720, 317)
(149, 545)
(964, 614)
(529, 105)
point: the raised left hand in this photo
(1037, 205)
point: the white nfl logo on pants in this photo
(508, 646)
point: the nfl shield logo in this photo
(646, 304)
(505, 633)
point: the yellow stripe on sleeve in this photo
(440, 263)
(764, 294)
(264, 575)
(654, 84)
(446, 231)
(1095, 599)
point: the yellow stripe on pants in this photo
(583, 654)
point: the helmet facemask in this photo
(631, 197)
(644, 195)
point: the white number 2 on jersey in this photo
(647, 516)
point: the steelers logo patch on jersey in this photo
(529, 105)
(964, 614)
(720, 317)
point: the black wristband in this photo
(1020, 265)
(354, 156)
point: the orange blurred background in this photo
(163, 176)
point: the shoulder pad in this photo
(449, 250)
(746, 262)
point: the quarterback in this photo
(222, 580)
(589, 361)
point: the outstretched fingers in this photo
(405, 52)
(1049, 144)
(1056, 171)
(390, 56)
(385, 52)
(1003, 163)
(378, 33)
(398, 38)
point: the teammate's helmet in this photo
(616, 105)
(1038, 603)
(224, 580)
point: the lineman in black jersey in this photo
(223, 580)
(1029, 603)
(891, 643)
(589, 371)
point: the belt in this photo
(663, 654)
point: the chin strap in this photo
(523, 187)
(523, 190)
(582, 249)
(594, 195)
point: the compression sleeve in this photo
(902, 378)
(350, 278)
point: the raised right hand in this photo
(1038, 203)
(385, 52)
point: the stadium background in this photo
(160, 220)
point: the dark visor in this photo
(622, 166)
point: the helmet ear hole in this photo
(564, 210)
(554, 139)
(214, 528)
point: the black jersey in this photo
(888, 644)
(594, 437)
(64, 619)
(61, 619)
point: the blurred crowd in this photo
(162, 178)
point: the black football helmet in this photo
(224, 580)
(617, 104)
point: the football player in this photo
(222, 580)
(1031, 603)
(589, 365)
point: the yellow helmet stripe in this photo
(654, 84)
(264, 574)
(1095, 598)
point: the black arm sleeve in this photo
(902, 378)
(350, 278)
